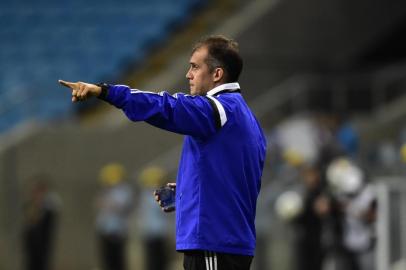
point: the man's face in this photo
(201, 80)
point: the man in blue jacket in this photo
(223, 154)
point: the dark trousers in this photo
(207, 260)
(155, 253)
(112, 249)
(37, 248)
(37, 259)
(309, 257)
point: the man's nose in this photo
(188, 75)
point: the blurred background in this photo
(326, 79)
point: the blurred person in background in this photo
(304, 148)
(315, 218)
(309, 223)
(223, 155)
(114, 205)
(359, 230)
(358, 203)
(153, 225)
(40, 223)
(346, 135)
(316, 143)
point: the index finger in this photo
(67, 84)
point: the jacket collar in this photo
(227, 87)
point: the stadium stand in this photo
(45, 40)
(281, 49)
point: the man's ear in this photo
(218, 74)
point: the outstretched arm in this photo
(198, 116)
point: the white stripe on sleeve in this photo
(220, 108)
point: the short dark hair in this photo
(222, 52)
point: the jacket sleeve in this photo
(199, 116)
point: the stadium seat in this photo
(45, 40)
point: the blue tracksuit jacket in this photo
(220, 169)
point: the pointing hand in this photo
(81, 90)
